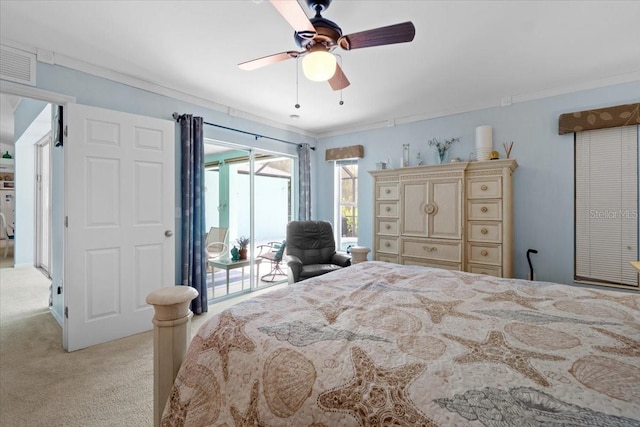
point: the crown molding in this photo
(155, 87)
(503, 101)
(163, 89)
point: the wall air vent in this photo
(17, 65)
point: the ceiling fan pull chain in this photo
(342, 89)
(297, 81)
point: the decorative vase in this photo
(243, 253)
(442, 156)
(235, 255)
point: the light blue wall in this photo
(104, 93)
(543, 182)
(25, 114)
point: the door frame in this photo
(57, 271)
(43, 260)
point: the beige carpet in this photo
(42, 385)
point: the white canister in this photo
(484, 142)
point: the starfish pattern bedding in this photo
(384, 344)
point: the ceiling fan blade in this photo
(268, 60)
(339, 80)
(398, 33)
(295, 16)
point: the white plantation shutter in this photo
(606, 205)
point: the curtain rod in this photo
(177, 117)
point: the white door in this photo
(119, 204)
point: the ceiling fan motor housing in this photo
(328, 33)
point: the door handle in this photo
(168, 233)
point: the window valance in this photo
(618, 115)
(351, 152)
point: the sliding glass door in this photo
(247, 194)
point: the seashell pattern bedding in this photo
(385, 344)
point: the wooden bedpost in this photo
(171, 337)
(359, 254)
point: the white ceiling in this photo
(466, 54)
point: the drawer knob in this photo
(483, 187)
(430, 248)
(387, 245)
(388, 209)
(388, 226)
(387, 191)
(484, 209)
(484, 252)
(484, 231)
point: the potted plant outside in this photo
(242, 243)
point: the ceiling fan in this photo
(319, 36)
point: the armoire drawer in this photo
(387, 245)
(434, 264)
(388, 209)
(484, 253)
(388, 227)
(440, 250)
(490, 232)
(484, 209)
(387, 192)
(484, 188)
(387, 258)
(491, 270)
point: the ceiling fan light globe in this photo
(319, 66)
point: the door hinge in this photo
(66, 222)
(66, 128)
(66, 312)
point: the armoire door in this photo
(415, 206)
(432, 208)
(444, 210)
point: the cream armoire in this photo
(457, 216)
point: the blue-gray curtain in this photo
(194, 261)
(304, 173)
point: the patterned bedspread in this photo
(384, 344)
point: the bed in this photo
(385, 344)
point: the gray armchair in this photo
(311, 250)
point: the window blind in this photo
(606, 205)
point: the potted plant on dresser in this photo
(242, 243)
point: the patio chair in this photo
(216, 243)
(274, 252)
(4, 234)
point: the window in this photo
(606, 205)
(346, 214)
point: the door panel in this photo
(446, 222)
(119, 201)
(415, 199)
